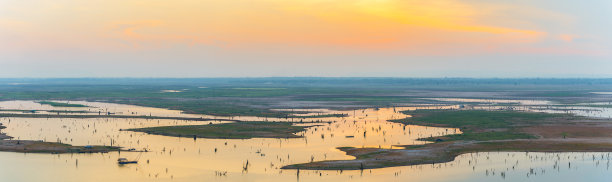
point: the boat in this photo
(122, 161)
(126, 161)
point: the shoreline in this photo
(374, 158)
(31, 146)
(8, 115)
(554, 134)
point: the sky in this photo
(326, 38)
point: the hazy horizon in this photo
(322, 38)
(315, 77)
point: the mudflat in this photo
(483, 131)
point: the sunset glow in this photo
(305, 90)
(272, 30)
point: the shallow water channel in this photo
(188, 159)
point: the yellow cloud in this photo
(404, 26)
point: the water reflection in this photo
(187, 159)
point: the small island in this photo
(61, 104)
(237, 130)
(30, 146)
(483, 131)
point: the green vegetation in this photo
(28, 146)
(557, 94)
(483, 131)
(238, 130)
(475, 119)
(599, 105)
(321, 116)
(482, 136)
(61, 104)
(19, 110)
(361, 99)
(223, 107)
(100, 116)
(479, 125)
(257, 96)
(370, 158)
(66, 111)
(219, 101)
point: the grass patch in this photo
(597, 105)
(65, 111)
(478, 125)
(61, 104)
(256, 96)
(238, 130)
(482, 136)
(557, 94)
(475, 119)
(321, 116)
(19, 110)
(359, 99)
(370, 155)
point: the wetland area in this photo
(305, 91)
(295, 129)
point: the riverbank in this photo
(483, 131)
(371, 158)
(30, 146)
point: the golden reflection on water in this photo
(186, 159)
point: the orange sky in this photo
(277, 30)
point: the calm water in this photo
(535, 106)
(186, 159)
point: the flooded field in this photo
(303, 90)
(260, 159)
(596, 109)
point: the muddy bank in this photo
(238, 130)
(30, 146)
(4, 136)
(369, 158)
(483, 132)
